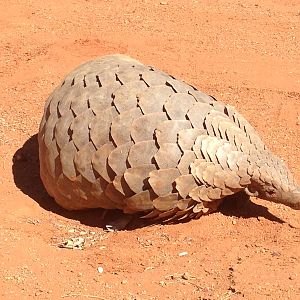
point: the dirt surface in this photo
(245, 53)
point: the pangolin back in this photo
(117, 134)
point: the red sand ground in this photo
(246, 53)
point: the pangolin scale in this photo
(117, 134)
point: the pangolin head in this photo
(290, 197)
(280, 187)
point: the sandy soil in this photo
(246, 53)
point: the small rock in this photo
(275, 253)
(185, 276)
(292, 277)
(38, 293)
(163, 3)
(33, 222)
(233, 222)
(73, 243)
(100, 270)
(184, 253)
(148, 243)
(162, 283)
(110, 228)
(124, 281)
(232, 289)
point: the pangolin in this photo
(117, 134)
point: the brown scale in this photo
(62, 128)
(201, 97)
(100, 127)
(99, 161)
(168, 156)
(186, 159)
(187, 137)
(142, 153)
(152, 99)
(83, 161)
(197, 114)
(167, 131)
(80, 128)
(128, 92)
(152, 78)
(118, 157)
(178, 105)
(135, 177)
(120, 125)
(47, 131)
(143, 128)
(184, 184)
(162, 181)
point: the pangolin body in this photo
(117, 134)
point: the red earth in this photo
(245, 53)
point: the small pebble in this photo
(186, 276)
(292, 277)
(73, 243)
(110, 228)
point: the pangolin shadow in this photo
(26, 176)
